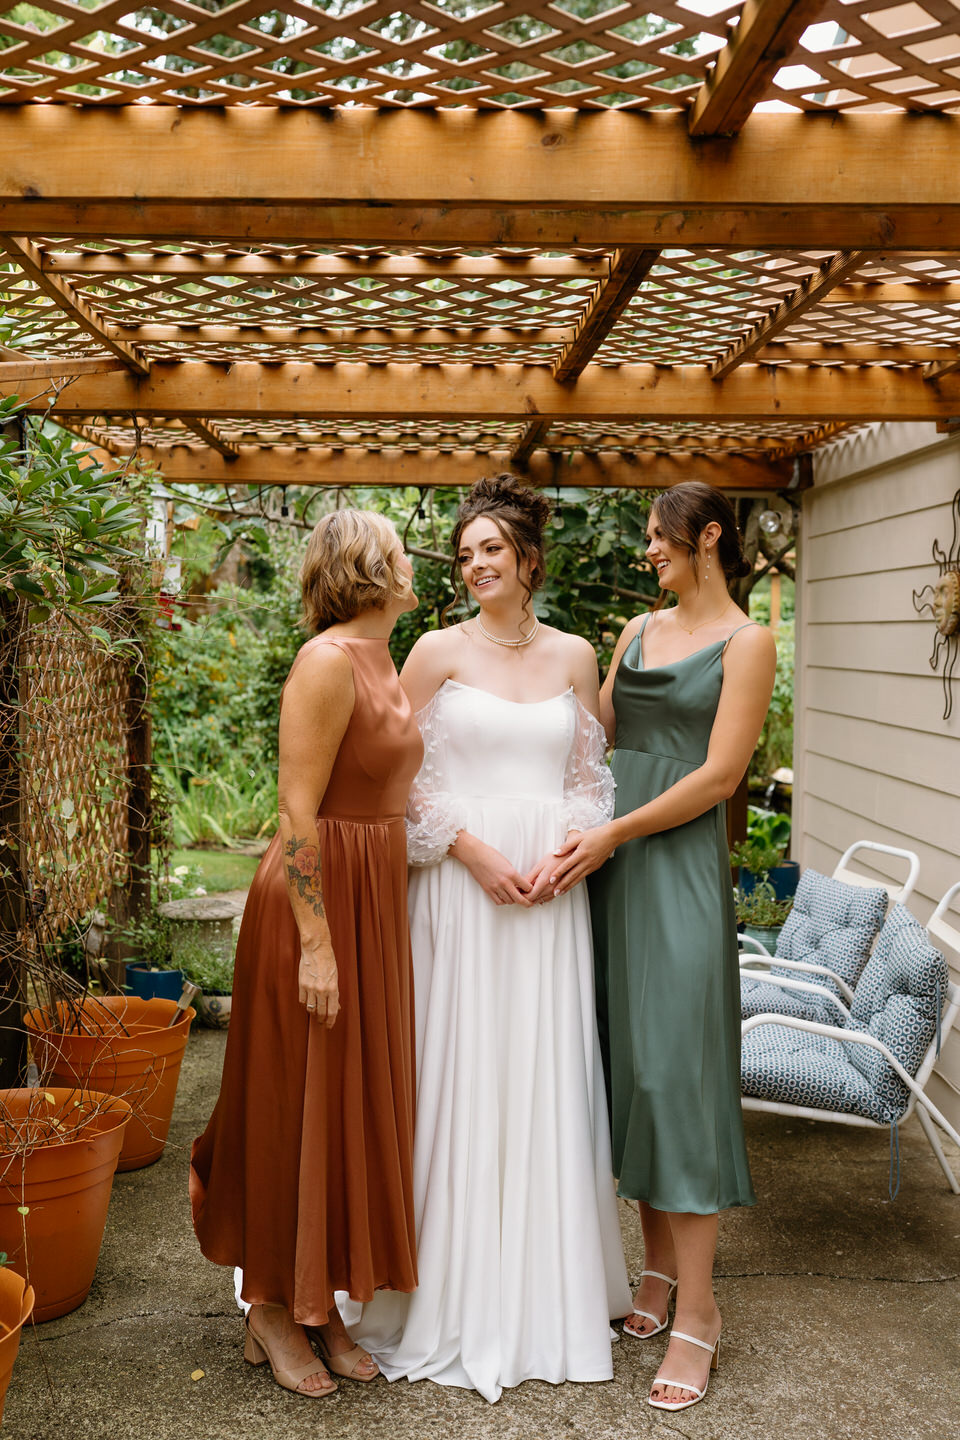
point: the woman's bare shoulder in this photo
(320, 664)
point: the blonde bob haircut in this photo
(351, 565)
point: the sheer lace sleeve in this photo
(588, 785)
(434, 813)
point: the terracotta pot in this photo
(16, 1303)
(64, 1189)
(126, 1049)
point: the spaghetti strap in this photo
(745, 626)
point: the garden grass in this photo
(219, 870)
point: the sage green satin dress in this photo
(665, 940)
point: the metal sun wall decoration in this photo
(944, 605)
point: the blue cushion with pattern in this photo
(898, 1000)
(831, 924)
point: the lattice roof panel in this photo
(698, 437)
(339, 291)
(867, 56)
(30, 321)
(594, 54)
(580, 53)
(695, 304)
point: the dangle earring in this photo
(706, 573)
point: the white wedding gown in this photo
(520, 1259)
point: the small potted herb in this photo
(761, 854)
(212, 970)
(761, 913)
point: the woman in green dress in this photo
(684, 704)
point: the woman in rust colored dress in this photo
(303, 1177)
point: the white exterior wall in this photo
(874, 759)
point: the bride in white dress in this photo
(520, 1259)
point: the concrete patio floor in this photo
(841, 1319)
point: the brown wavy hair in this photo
(350, 566)
(684, 511)
(520, 514)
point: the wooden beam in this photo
(941, 367)
(30, 260)
(531, 439)
(628, 270)
(497, 392)
(462, 177)
(766, 34)
(186, 334)
(895, 294)
(347, 267)
(797, 352)
(810, 293)
(211, 436)
(28, 369)
(354, 466)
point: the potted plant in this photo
(154, 972)
(60, 1151)
(123, 1046)
(761, 913)
(761, 854)
(16, 1306)
(212, 971)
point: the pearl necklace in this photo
(510, 644)
(712, 621)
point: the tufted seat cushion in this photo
(898, 1000)
(830, 924)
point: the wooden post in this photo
(13, 631)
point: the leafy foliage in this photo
(65, 527)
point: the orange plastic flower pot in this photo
(16, 1303)
(126, 1047)
(54, 1191)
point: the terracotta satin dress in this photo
(304, 1175)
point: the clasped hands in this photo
(580, 854)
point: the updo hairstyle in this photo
(684, 511)
(350, 566)
(519, 513)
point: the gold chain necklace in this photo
(510, 644)
(712, 621)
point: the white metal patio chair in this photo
(899, 894)
(811, 943)
(871, 1065)
(824, 944)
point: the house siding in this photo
(874, 758)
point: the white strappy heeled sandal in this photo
(685, 1384)
(647, 1314)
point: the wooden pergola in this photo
(347, 244)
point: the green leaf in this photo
(27, 586)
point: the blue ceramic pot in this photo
(784, 878)
(149, 984)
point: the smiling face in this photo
(488, 563)
(671, 562)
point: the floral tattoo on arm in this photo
(303, 872)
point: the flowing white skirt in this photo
(520, 1259)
